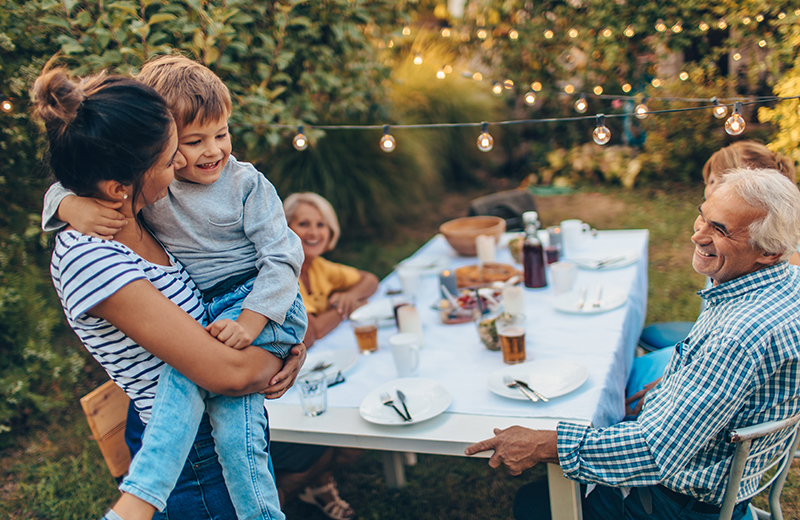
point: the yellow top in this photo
(325, 278)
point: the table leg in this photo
(565, 495)
(393, 469)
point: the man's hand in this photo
(94, 217)
(640, 396)
(284, 379)
(518, 448)
(231, 333)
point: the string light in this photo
(720, 111)
(300, 142)
(6, 106)
(598, 90)
(781, 15)
(477, 76)
(387, 141)
(656, 82)
(513, 34)
(661, 26)
(530, 98)
(760, 18)
(762, 43)
(641, 110)
(746, 20)
(536, 86)
(626, 88)
(418, 59)
(678, 27)
(629, 31)
(508, 84)
(722, 24)
(683, 76)
(608, 32)
(497, 89)
(703, 26)
(548, 34)
(581, 105)
(485, 141)
(447, 69)
(481, 34)
(601, 134)
(406, 31)
(573, 33)
(735, 124)
(569, 89)
(445, 32)
(440, 74)
(737, 56)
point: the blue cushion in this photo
(647, 369)
(666, 334)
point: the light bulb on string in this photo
(513, 34)
(601, 134)
(445, 32)
(530, 98)
(497, 89)
(440, 74)
(387, 141)
(485, 141)
(581, 105)
(418, 59)
(6, 105)
(508, 84)
(684, 76)
(300, 141)
(720, 110)
(630, 32)
(641, 110)
(735, 124)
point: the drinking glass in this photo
(313, 390)
(366, 332)
(511, 331)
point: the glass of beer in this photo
(511, 331)
(366, 332)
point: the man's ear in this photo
(768, 258)
(113, 190)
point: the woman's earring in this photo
(124, 196)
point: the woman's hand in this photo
(283, 380)
(345, 302)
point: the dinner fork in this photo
(387, 401)
(509, 382)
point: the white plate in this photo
(426, 265)
(611, 298)
(340, 360)
(604, 261)
(550, 377)
(380, 310)
(425, 399)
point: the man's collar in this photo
(746, 283)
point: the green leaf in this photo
(161, 17)
(242, 19)
(72, 48)
(300, 20)
(69, 4)
(147, 2)
(56, 20)
(126, 7)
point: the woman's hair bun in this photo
(57, 98)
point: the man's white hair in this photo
(778, 231)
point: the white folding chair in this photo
(781, 462)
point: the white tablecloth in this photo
(453, 355)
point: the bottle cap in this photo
(529, 217)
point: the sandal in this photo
(335, 507)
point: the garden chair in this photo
(508, 205)
(106, 409)
(664, 334)
(781, 463)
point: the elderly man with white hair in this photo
(740, 365)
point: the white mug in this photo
(562, 276)
(405, 350)
(574, 233)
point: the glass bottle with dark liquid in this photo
(533, 261)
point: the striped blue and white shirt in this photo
(86, 271)
(739, 366)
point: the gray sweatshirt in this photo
(223, 230)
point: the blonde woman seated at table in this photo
(330, 293)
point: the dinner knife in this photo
(582, 299)
(537, 394)
(402, 397)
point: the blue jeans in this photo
(238, 427)
(606, 503)
(274, 338)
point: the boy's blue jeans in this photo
(238, 425)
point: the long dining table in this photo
(453, 356)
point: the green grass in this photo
(57, 472)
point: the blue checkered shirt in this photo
(739, 366)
